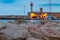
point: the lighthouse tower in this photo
(31, 4)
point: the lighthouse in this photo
(31, 4)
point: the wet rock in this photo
(3, 27)
(1, 33)
(33, 39)
(3, 38)
(19, 39)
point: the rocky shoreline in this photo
(13, 31)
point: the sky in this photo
(16, 7)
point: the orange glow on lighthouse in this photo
(43, 15)
(32, 15)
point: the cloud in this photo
(53, 4)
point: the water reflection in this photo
(14, 20)
(6, 21)
(34, 20)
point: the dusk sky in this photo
(16, 7)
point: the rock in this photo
(27, 34)
(2, 37)
(19, 39)
(33, 39)
(38, 35)
(3, 27)
(1, 33)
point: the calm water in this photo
(14, 20)
(26, 20)
(6, 21)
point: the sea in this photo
(5, 21)
(14, 20)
